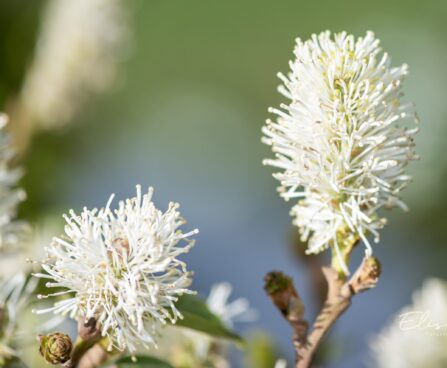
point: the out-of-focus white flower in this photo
(190, 348)
(31, 248)
(338, 142)
(417, 337)
(15, 295)
(11, 231)
(238, 310)
(281, 363)
(79, 48)
(122, 269)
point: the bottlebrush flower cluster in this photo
(341, 143)
(121, 267)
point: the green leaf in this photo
(142, 361)
(197, 316)
(14, 363)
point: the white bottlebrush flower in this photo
(80, 46)
(12, 232)
(15, 295)
(121, 267)
(338, 142)
(417, 337)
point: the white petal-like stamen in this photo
(122, 268)
(340, 143)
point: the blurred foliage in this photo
(139, 362)
(261, 351)
(49, 151)
(19, 21)
(198, 317)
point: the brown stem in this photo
(335, 304)
(281, 290)
(94, 357)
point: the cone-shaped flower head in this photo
(339, 143)
(121, 268)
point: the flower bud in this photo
(366, 276)
(55, 348)
(281, 290)
(371, 269)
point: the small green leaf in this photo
(197, 316)
(13, 363)
(142, 361)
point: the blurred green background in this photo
(185, 117)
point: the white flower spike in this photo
(339, 142)
(80, 47)
(12, 232)
(121, 268)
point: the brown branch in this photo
(94, 357)
(281, 290)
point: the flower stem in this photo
(281, 290)
(80, 348)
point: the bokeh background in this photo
(184, 115)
